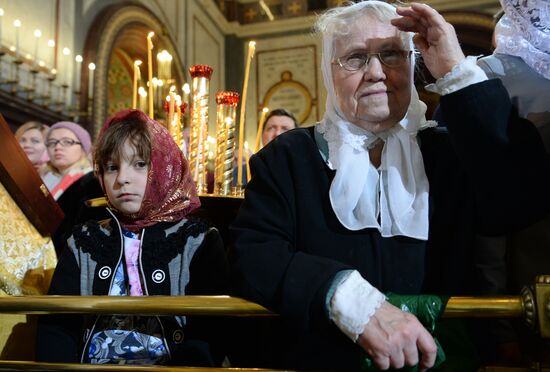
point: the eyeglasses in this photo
(391, 58)
(65, 142)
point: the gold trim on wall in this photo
(118, 20)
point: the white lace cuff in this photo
(465, 73)
(354, 302)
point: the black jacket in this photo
(185, 257)
(488, 173)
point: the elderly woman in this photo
(68, 146)
(31, 137)
(375, 199)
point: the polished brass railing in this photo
(457, 307)
(8, 365)
(146, 305)
(533, 305)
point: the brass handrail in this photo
(479, 307)
(146, 305)
(9, 365)
(484, 307)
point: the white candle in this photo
(260, 129)
(91, 67)
(150, 72)
(64, 64)
(142, 98)
(137, 76)
(77, 67)
(37, 35)
(186, 90)
(17, 24)
(51, 44)
(251, 49)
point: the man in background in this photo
(277, 122)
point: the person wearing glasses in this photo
(377, 199)
(68, 147)
(70, 179)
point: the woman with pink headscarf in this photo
(69, 146)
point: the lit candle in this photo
(17, 24)
(91, 67)
(77, 67)
(64, 64)
(157, 88)
(260, 129)
(171, 107)
(51, 44)
(150, 72)
(251, 48)
(164, 65)
(137, 76)
(1, 15)
(186, 90)
(142, 98)
(37, 35)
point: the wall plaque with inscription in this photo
(287, 78)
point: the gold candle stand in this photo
(226, 115)
(198, 145)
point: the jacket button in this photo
(104, 272)
(158, 276)
(178, 336)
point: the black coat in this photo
(173, 264)
(488, 173)
(72, 202)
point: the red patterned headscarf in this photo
(170, 194)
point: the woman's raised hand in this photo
(434, 37)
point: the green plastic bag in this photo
(428, 309)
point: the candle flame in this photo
(66, 51)
(265, 109)
(1, 12)
(137, 62)
(51, 43)
(78, 58)
(150, 35)
(17, 23)
(53, 71)
(91, 66)
(37, 33)
(186, 89)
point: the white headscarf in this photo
(395, 201)
(524, 31)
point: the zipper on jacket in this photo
(110, 284)
(144, 280)
(84, 350)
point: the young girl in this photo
(148, 247)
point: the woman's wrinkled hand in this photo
(395, 339)
(434, 37)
